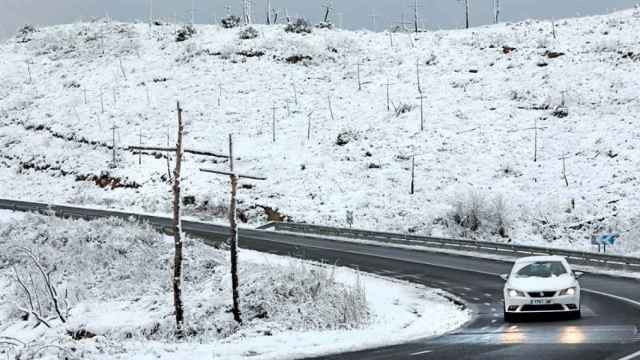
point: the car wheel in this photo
(576, 315)
(509, 317)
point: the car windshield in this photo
(543, 269)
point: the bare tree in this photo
(233, 222)
(268, 12)
(327, 7)
(233, 227)
(496, 11)
(177, 232)
(330, 107)
(273, 122)
(49, 286)
(415, 17)
(466, 14)
(413, 174)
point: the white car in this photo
(541, 284)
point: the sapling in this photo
(295, 93)
(273, 122)
(30, 79)
(413, 174)
(309, 125)
(418, 76)
(124, 74)
(421, 97)
(330, 108)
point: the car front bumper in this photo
(542, 305)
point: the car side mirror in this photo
(505, 277)
(578, 274)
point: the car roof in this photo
(529, 259)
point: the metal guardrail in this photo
(576, 257)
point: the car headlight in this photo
(567, 292)
(515, 293)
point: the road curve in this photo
(611, 305)
(608, 329)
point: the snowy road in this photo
(609, 328)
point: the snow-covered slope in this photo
(485, 89)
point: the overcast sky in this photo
(354, 14)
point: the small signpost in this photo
(350, 218)
(603, 240)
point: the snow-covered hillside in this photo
(485, 90)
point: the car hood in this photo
(553, 283)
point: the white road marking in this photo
(421, 352)
(476, 299)
(466, 288)
(494, 321)
(633, 302)
(635, 355)
(487, 295)
(487, 304)
(494, 309)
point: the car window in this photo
(543, 269)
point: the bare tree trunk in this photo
(415, 16)
(466, 12)
(418, 76)
(535, 141)
(177, 229)
(268, 12)
(388, 98)
(496, 11)
(413, 172)
(234, 236)
(330, 108)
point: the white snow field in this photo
(485, 91)
(113, 281)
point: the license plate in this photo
(538, 302)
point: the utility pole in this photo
(233, 226)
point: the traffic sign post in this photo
(604, 240)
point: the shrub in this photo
(230, 21)
(403, 108)
(185, 33)
(248, 33)
(325, 25)
(345, 137)
(300, 26)
(472, 212)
